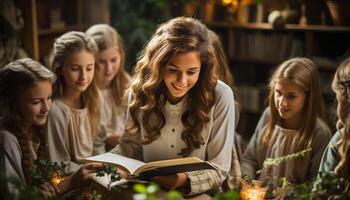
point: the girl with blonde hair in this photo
(336, 156)
(179, 108)
(75, 124)
(295, 122)
(112, 78)
(25, 100)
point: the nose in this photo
(283, 101)
(46, 106)
(82, 74)
(182, 79)
(108, 67)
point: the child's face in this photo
(78, 71)
(35, 103)
(289, 100)
(181, 75)
(108, 63)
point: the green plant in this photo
(151, 191)
(111, 172)
(47, 171)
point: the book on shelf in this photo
(145, 171)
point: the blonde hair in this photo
(303, 72)
(106, 37)
(341, 86)
(15, 79)
(65, 45)
(148, 90)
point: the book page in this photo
(128, 164)
(168, 163)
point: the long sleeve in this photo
(220, 145)
(57, 135)
(330, 158)
(12, 155)
(250, 164)
(322, 138)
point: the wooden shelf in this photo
(288, 27)
(272, 63)
(50, 31)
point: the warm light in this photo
(250, 192)
(226, 2)
(56, 178)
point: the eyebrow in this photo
(173, 65)
(76, 65)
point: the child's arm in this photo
(321, 140)
(330, 158)
(249, 163)
(57, 137)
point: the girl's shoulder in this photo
(322, 129)
(223, 91)
(8, 140)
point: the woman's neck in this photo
(293, 123)
(73, 99)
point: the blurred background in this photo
(257, 35)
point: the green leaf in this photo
(139, 188)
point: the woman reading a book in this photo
(179, 108)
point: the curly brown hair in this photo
(148, 90)
(16, 78)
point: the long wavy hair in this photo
(148, 90)
(16, 78)
(106, 37)
(302, 72)
(341, 86)
(65, 45)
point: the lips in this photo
(179, 87)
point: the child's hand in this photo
(48, 190)
(80, 178)
(171, 182)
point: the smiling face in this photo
(35, 103)
(108, 63)
(181, 75)
(289, 101)
(78, 71)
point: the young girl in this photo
(25, 99)
(336, 156)
(295, 123)
(75, 122)
(178, 108)
(112, 78)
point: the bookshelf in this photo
(255, 49)
(46, 20)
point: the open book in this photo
(145, 171)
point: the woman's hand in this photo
(171, 182)
(80, 178)
(48, 190)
